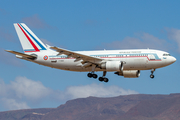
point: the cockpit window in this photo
(166, 55)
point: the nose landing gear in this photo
(152, 71)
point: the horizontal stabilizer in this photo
(22, 54)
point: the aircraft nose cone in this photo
(170, 60)
(173, 59)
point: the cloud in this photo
(12, 104)
(35, 22)
(22, 92)
(142, 41)
(8, 99)
(31, 90)
(174, 34)
(97, 90)
(18, 93)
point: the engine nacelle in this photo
(112, 66)
(129, 73)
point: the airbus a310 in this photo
(127, 63)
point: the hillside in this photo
(130, 107)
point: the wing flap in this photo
(22, 54)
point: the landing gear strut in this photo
(152, 71)
(90, 75)
(103, 78)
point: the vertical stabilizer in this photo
(29, 41)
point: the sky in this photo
(85, 25)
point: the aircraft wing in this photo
(78, 56)
(22, 54)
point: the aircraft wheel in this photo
(106, 80)
(90, 75)
(152, 76)
(101, 79)
(94, 76)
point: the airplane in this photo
(127, 63)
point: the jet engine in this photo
(112, 66)
(129, 73)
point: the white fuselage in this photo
(127, 63)
(137, 59)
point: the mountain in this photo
(28, 114)
(127, 107)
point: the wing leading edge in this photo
(78, 56)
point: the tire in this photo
(90, 75)
(101, 79)
(94, 76)
(151, 76)
(106, 80)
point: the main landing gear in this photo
(92, 75)
(152, 71)
(103, 78)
